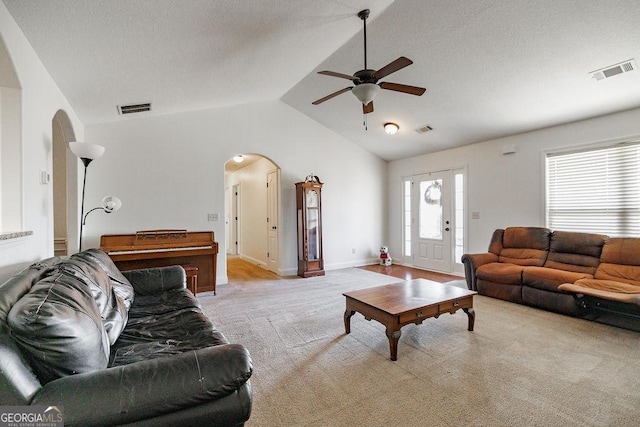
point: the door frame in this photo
(234, 214)
(273, 222)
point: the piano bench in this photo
(192, 277)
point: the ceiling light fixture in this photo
(238, 159)
(391, 128)
(365, 92)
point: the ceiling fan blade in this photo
(334, 74)
(336, 93)
(412, 90)
(366, 109)
(392, 67)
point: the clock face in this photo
(312, 199)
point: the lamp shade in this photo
(86, 150)
(365, 92)
(111, 204)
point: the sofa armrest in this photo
(149, 281)
(472, 262)
(150, 388)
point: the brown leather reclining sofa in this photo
(578, 274)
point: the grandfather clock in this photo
(309, 209)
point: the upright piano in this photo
(159, 248)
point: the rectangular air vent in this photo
(134, 108)
(423, 129)
(614, 70)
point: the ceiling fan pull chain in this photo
(364, 121)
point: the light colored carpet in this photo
(520, 367)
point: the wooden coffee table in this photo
(411, 301)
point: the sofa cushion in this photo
(620, 260)
(499, 272)
(112, 308)
(164, 324)
(495, 245)
(58, 326)
(579, 252)
(525, 245)
(119, 283)
(549, 279)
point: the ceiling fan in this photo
(365, 82)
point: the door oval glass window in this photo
(431, 214)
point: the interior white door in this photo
(432, 230)
(272, 220)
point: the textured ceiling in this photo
(491, 67)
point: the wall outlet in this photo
(475, 215)
(353, 250)
(213, 217)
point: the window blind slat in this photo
(596, 191)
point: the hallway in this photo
(239, 270)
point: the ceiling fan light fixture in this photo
(391, 128)
(365, 92)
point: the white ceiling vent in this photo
(614, 70)
(134, 108)
(423, 129)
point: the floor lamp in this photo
(86, 152)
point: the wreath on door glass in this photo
(433, 194)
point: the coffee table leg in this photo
(472, 317)
(347, 320)
(393, 336)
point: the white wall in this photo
(169, 173)
(507, 190)
(41, 99)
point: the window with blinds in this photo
(595, 190)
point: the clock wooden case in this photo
(309, 213)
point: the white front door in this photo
(272, 221)
(432, 228)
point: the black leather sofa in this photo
(116, 348)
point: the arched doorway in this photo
(252, 210)
(65, 192)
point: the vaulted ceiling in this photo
(491, 67)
